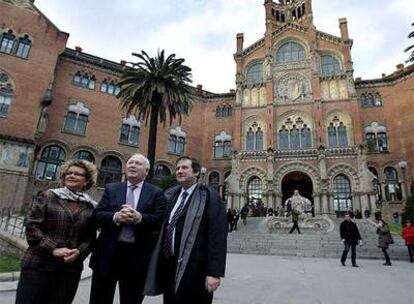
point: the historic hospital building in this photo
(297, 118)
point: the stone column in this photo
(372, 202)
(356, 201)
(331, 203)
(278, 200)
(403, 190)
(364, 202)
(325, 207)
(230, 201)
(317, 204)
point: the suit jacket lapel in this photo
(121, 194)
(143, 197)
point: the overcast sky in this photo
(204, 31)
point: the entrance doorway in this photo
(297, 181)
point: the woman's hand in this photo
(68, 255)
(72, 256)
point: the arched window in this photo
(223, 111)
(376, 137)
(294, 134)
(337, 133)
(110, 171)
(377, 184)
(284, 138)
(255, 73)
(330, 66)
(7, 42)
(6, 94)
(84, 80)
(392, 185)
(342, 194)
(214, 181)
(250, 140)
(254, 189)
(76, 119)
(85, 155)
(23, 46)
(222, 145)
(130, 130)
(254, 138)
(177, 140)
(306, 137)
(48, 167)
(369, 100)
(160, 171)
(110, 87)
(290, 52)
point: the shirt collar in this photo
(189, 190)
(139, 185)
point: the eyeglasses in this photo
(75, 173)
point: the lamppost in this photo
(403, 165)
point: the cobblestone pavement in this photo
(253, 279)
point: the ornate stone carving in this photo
(246, 97)
(254, 97)
(20, 3)
(292, 87)
(319, 224)
(347, 170)
(262, 96)
(297, 166)
(249, 172)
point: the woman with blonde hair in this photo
(59, 233)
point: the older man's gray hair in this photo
(146, 160)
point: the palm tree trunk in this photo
(152, 141)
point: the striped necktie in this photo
(168, 240)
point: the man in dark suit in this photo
(350, 237)
(128, 214)
(189, 259)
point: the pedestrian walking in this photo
(230, 219)
(243, 214)
(350, 237)
(384, 240)
(236, 217)
(408, 236)
(295, 220)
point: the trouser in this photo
(131, 282)
(386, 256)
(196, 294)
(411, 252)
(47, 287)
(295, 226)
(230, 224)
(234, 225)
(353, 253)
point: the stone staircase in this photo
(254, 239)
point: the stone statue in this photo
(268, 68)
(298, 203)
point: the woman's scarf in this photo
(65, 194)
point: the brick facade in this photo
(44, 89)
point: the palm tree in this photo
(411, 56)
(154, 88)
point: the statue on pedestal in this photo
(297, 203)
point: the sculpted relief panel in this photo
(254, 97)
(293, 87)
(334, 89)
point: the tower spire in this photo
(281, 12)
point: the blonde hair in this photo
(90, 171)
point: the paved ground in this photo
(255, 279)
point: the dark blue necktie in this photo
(168, 240)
